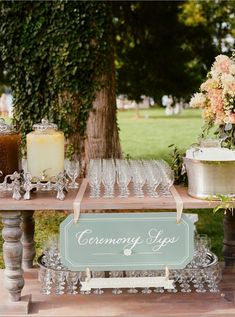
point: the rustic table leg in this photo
(229, 239)
(27, 239)
(12, 254)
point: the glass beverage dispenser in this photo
(9, 150)
(45, 150)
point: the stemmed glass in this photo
(167, 177)
(175, 276)
(153, 177)
(213, 276)
(82, 277)
(123, 177)
(47, 282)
(202, 246)
(199, 280)
(51, 251)
(116, 291)
(72, 169)
(94, 177)
(132, 290)
(146, 290)
(138, 177)
(159, 289)
(184, 279)
(98, 274)
(60, 281)
(72, 282)
(108, 177)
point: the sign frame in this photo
(125, 258)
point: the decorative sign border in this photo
(78, 246)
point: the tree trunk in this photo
(102, 138)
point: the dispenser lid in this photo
(5, 128)
(45, 125)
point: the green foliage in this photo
(157, 55)
(54, 52)
(226, 203)
(177, 165)
(151, 57)
(70, 151)
(214, 17)
(210, 29)
(227, 134)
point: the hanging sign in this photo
(126, 241)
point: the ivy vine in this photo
(54, 52)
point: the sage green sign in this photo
(126, 241)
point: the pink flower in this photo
(221, 65)
(198, 100)
(216, 100)
(228, 83)
(232, 69)
(220, 117)
(232, 118)
(210, 83)
(208, 115)
(217, 97)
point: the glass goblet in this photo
(72, 169)
(132, 290)
(146, 290)
(97, 274)
(116, 291)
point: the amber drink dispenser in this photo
(9, 150)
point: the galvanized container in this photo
(207, 179)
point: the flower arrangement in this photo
(217, 96)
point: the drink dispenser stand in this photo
(44, 170)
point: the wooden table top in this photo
(48, 201)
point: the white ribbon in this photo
(179, 203)
(78, 199)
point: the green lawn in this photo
(150, 135)
(147, 137)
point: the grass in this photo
(150, 135)
(146, 137)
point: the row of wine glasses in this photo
(151, 177)
(184, 281)
(153, 174)
(202, 274)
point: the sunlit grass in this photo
(150, 135)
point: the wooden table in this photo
(18, 224)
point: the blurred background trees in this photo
(58, 57)
(167, 47)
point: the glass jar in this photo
(45, 150)
(208, 142)
(9, 150)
